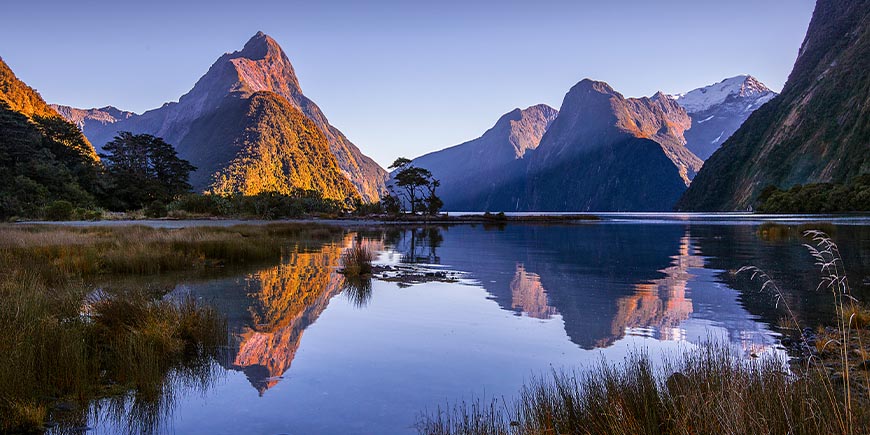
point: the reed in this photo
(356, 261)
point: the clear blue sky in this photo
(402, 77)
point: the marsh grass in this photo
(356, 261)
(69, 352)
(707, 390)
(61, 252)
(55, 352)
(710, 389)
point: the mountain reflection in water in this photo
(603, 282)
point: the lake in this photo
(474, 311)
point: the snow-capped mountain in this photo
(718, 110)
(744, 86)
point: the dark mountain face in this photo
(600, 151)
(261, 66)
(817, 130)
(593, 115)
(470, 173)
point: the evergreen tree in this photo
(416, 187)
(142, 169)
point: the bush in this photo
(61, 210)
(213, 205)
(357, 261)
(818, 197)
(156, 210)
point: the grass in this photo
(123, 349)
(85, 252)
(57, 350)
(356, 261)
(706, 390)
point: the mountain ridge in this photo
(261, 65)
(816, 130)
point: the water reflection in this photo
(606, 281)
(528, 295)
(534, 296)
(658, 307)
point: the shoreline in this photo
(725, 218)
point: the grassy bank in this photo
(66, 344)
(710, 389)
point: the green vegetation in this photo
(711, 389)
(140, 170)
(282, 151)
(43, 160)
(412, 186)
(818, 198)
(264, 205)
(66, 344)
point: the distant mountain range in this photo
(248, 128)
(239, 125)
(817, 130)
(600, 151)
(90, 121)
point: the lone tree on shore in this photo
(415, 187)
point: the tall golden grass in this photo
(357, 260)
(67, 347)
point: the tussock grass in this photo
(707, 390)
(66, 345)
(55, 350)
(62, 252)
(356, 261)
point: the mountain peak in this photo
(259, 47)
(588, 85)
(701, 99)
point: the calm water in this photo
(310, 356)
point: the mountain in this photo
(817, 130)
(21, 98)
(280, 149)
(718, 110)
(600, 151)
(208, 126)
(43, 158)
(88, 120)
(471, 172)
(605, 152)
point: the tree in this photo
(42, 160)
(416, 186)
(142, 169)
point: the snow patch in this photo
(706, 119)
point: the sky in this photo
(402, 78)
